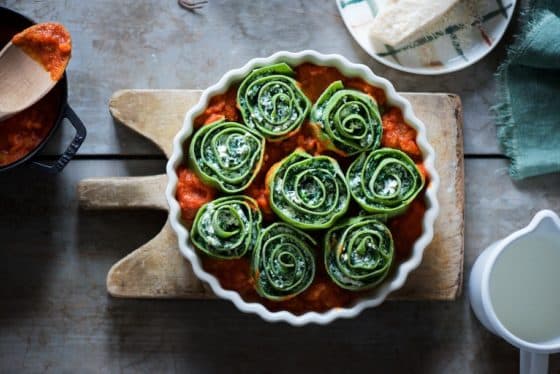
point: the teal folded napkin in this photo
(528, 109)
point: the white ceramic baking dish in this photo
(396, 279)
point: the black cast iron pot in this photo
(11, 23)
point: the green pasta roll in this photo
(283, 263)
(226, 155)
(271, 101)
(359, 253)
(346, 121)
(307, 192)
(384, 181)
(227, 227)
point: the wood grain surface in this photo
(156, 44)
(157, 269)
(55, 315)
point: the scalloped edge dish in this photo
(391, 283)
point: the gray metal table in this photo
(55, 315)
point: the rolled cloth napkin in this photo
(528, 112)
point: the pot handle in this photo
(70, 152)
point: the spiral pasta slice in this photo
(227, 227)
(307, 192)
(384, 181)
(271, 101)
(226, 155)
(283, 263)
(359, 253)
(346, 121)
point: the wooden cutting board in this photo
(158, 270)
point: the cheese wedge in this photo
(401, 19)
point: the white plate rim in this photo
(425, 71)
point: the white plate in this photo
(455, 43)
(349, 69)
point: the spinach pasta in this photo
(346, 121)
(308, 192)
(227, 227)
(271, 102)
(301, 196)
(283, 263)
(384, 181)
(358, 253)
(226, 155)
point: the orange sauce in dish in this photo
(222, 106)
(398, 134)
(192, 193)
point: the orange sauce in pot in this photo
(22, 133)
(50, 45)
(322, 294)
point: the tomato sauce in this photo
(22, 133)
(50, 45)
(192, 193)
(315, 79)
(322, 294)
(407, 227)
(222, 106)
(47, 43)
(397, 134)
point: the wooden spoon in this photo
(25, 75)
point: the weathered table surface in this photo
(55, 315)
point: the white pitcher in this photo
(533, 355)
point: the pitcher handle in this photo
(533, 363)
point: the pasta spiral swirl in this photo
(346, 121)
(271, 102)
(359, 253)
(384, 181)
(283, 263)
(226, 155)
(227, 227)
(307, 192)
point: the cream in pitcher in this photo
(515, 290)
(525, 288)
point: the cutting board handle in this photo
(156, 114)
(123, 192)
(157, 269)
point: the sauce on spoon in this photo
(47, 43)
